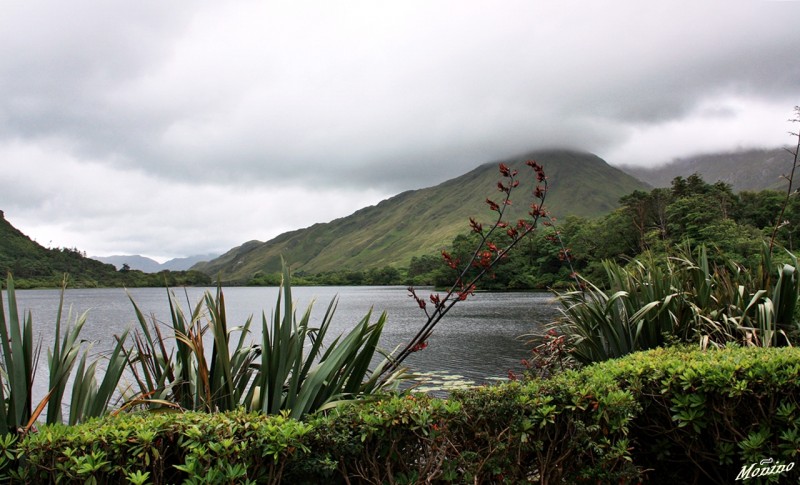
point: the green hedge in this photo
(664, 416)
(705, 415)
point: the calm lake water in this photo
(479, 339)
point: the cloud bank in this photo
(188, 127)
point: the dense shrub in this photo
(674, 415)
(233, 447)
(705, 415)
(399, 439)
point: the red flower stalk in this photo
(485, 256)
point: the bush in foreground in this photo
(672, 415)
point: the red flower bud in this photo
(476, 226)
(449, 260)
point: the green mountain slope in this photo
(421, 222)
(744, 170)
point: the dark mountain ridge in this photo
(752, 169)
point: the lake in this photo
(479, 339)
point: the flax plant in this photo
(180, 373)
(765, 317)
(19, 367)
(18, 373)
(291, 370)
(687, 298)
(298, 382)
(633, 314)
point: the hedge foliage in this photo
(674, 415)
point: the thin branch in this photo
(790, 178)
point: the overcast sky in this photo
(177, 128)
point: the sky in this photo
(170, 129)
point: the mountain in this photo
(141, 263)
(148, 265)
(421, 222)
(752, 170)
(184, 264)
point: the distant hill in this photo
(420, 222)
(34, 265)
(141, 263)
(149, 265)
(752, 170)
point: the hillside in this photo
(420, 222)
(34, 265)
(751, 170)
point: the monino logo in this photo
(763, 468)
